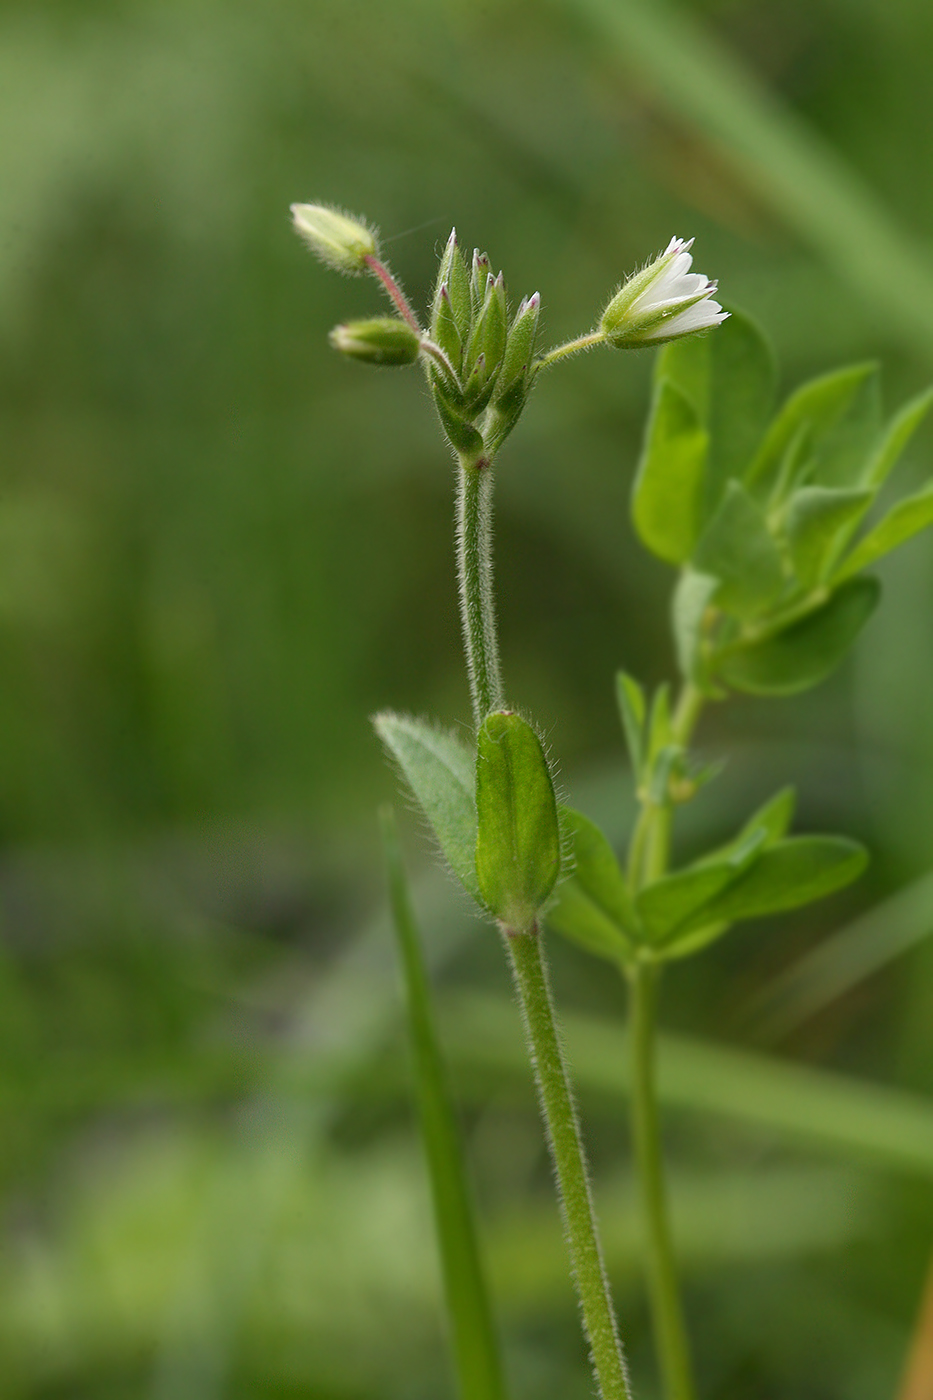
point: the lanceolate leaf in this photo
(667, 495)
(788, 874)
(438, 768)
(818, 524)
(517, 837)
(807, 651)
(592, 907)
(475, 1344)
(671, 901)
(906, 518)
(631, 701)
(737, 549)
(818, 405)
(896, 437)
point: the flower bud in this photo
(381, 341)
(341, 242)
(662, 302)
(453, 276)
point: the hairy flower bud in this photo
(342, 242)
(380, 341)
(662, 302)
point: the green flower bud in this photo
(453, 275)
(662, 302)
(488, 337)
(444, 330)
(479, 279)
(519, 351)
(381, 341)
(518, 856)
(340, 241)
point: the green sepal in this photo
(805, 652)
(693, 595)
(788, 874)
(737, 548)
(592, 906)
(729, 378)
(517, 837)
(818, 522)
(630, 697)
(439, 769)
(488, 335)
(905, 519)
(817, 407)
(670, 902)
(668, 490)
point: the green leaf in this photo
(737, 549)
(786, 875)
(438, 768)
(807, 651)
(517, 838)
(667, 495)
(729, 379)
(841, 452)
(773, 817)
(903, 520)
(816, 406)
(593, 907)
(475, 1344)
(692, 597)
(896, 437)
(818, 523)
(663, 906)
(631, 701)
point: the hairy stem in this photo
(667, 1313)
(474, 573)
(570, 347)
(569, 1164)
(394, 291)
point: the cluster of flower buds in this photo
(481, 379)
(479, 365)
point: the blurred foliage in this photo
(221, 548)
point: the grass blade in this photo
(475, 1344)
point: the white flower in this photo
(662, 302)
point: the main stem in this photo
(477, 610)
(569, 1164)
(474, 573)
(649, 860)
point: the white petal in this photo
(698, 317)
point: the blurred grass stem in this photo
(569, 1162)
(648, 861)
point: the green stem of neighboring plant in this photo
(569, 1163)
(474, 573)
(649, 858)
(667, 1312)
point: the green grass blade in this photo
(820, 1108)
(797, 174)
(475, 1344)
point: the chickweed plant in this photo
(762, 512)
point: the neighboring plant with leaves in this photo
(764, 515)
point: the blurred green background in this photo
(221, 548)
